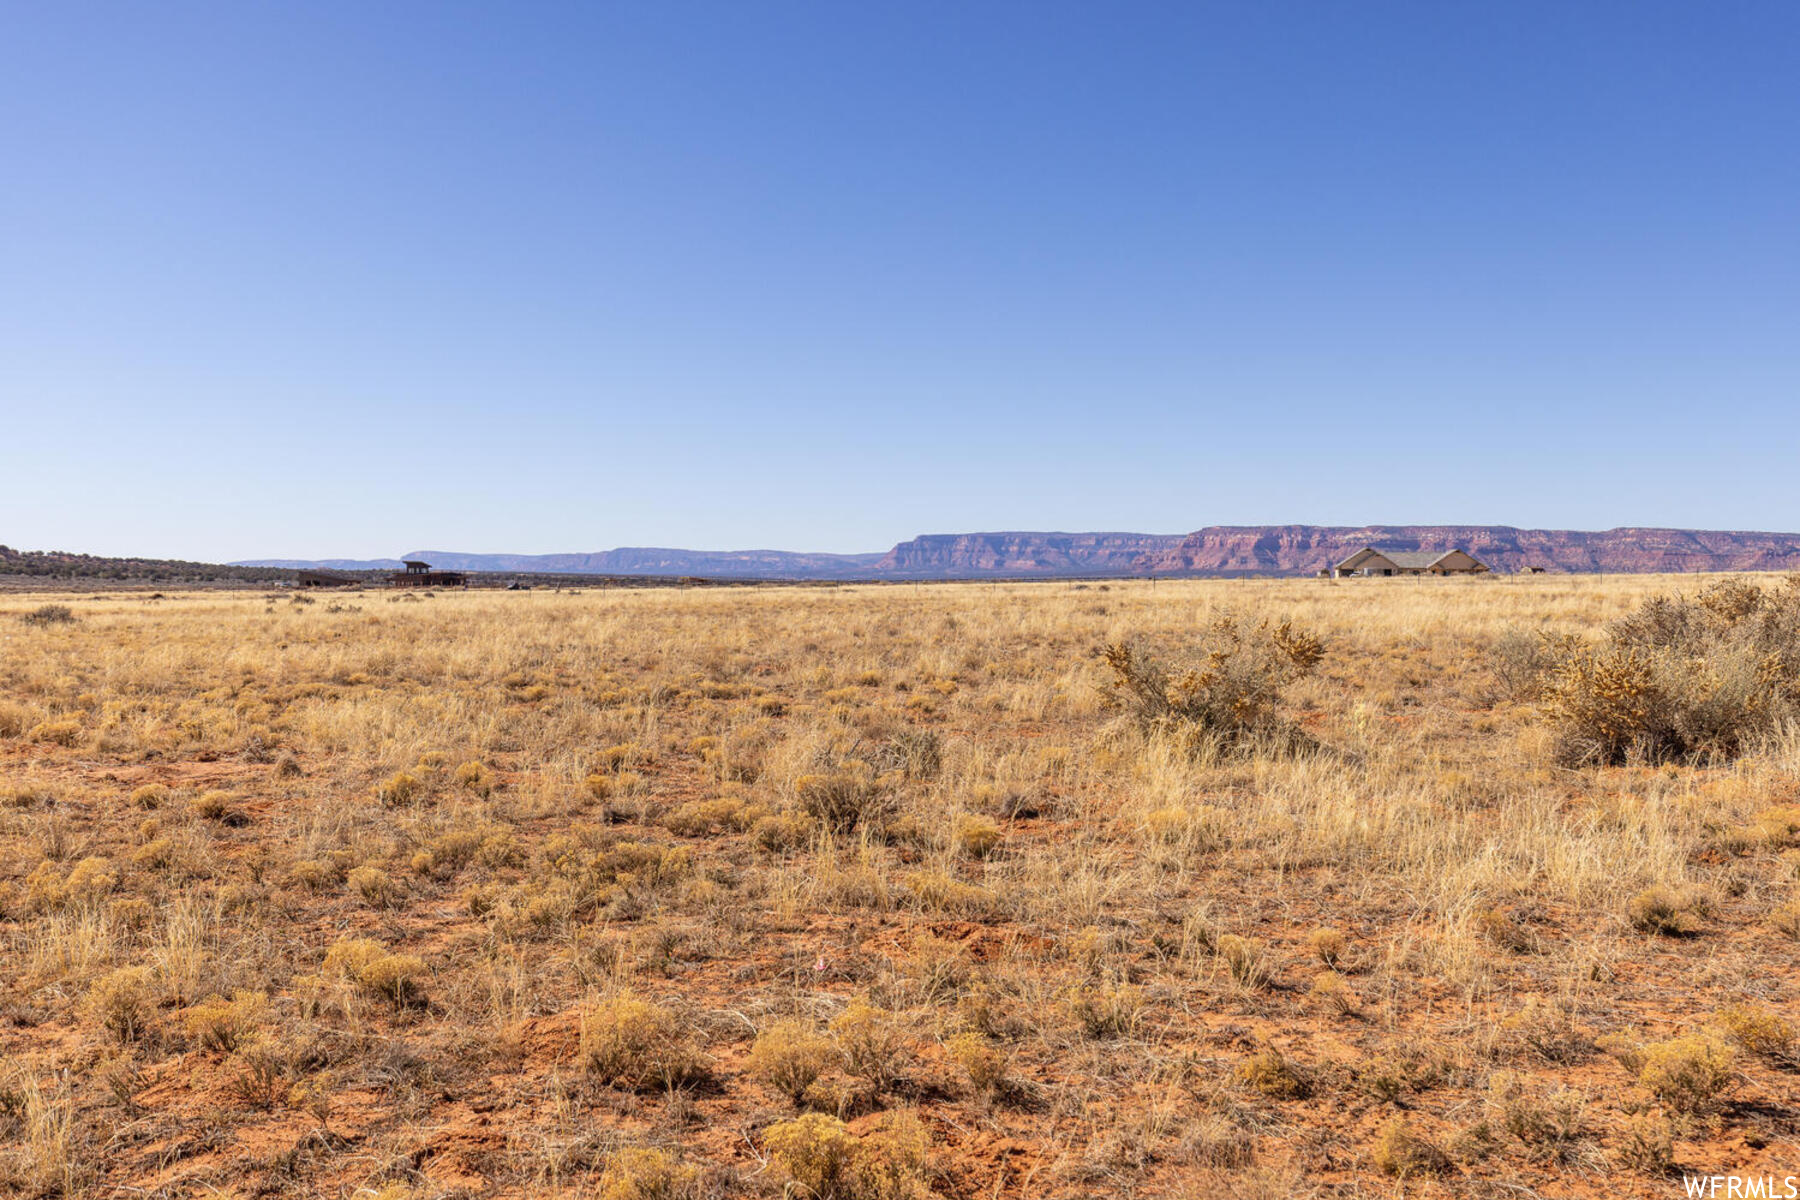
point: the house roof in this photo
(1406, 559)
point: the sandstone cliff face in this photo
(1301, 549)
(963, 555)
(1215, 550)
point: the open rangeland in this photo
(883, 892)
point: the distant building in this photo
(1531, 570)
(420, 574)
(1370, 561)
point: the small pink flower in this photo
(820, 965)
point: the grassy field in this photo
(866, 893)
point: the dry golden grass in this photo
(870, 891)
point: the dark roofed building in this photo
(420, 574)
(1370, 561)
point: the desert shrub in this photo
(1243, 958)
(396, 978)
(1668, 911)
(1228, 694)
(724, 814)
(983, 1061)
(57, 733)
(313, 874)
(640, 1173)
(1106, 1011)
(976, 836)
(224, 1025)
(1756, 1028)
(818, 1152)
(260, 1076)
(1689, 680)
(829, 1162)
(1329, 945)
(1647, 1144)
(475, 777)
(1521, 659)
(400, 788)
(122, 1001)
(1548, 1125)
(1269, 1073)
(1687, 1073)
(871, 1041)
(1401, 1151)
(915, 753)
(90, 880)
(781, 831)
(789, 1056)
(375, 886)
(1329, 989)
(150, 796)
(211, 806)
(842, 799)
(50, 614)
(632, 1044)
(1786, 919)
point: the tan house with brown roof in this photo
(1372, 562)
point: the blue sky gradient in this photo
(351, 279)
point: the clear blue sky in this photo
(320, 279)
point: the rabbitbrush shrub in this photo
(1700, 680)
(1228, 694)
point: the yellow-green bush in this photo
(789, 1056)
(640, 1173)
(829, 1162)
(632, 1044)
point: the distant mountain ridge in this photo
(1214, 550)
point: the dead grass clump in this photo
(1269, 1073)
(1244, 958)
(1328, 945)
(844, 799)
(150, 796)
(1664, 910)
(475, 777)
(1104, 1011)
(976, 836)
(1229, 695)
(632, 1044)
(1521, 659)
(67, 734)
(1401, 1151)
(1647, 1145)
(400, 789)
(1545, 1030)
